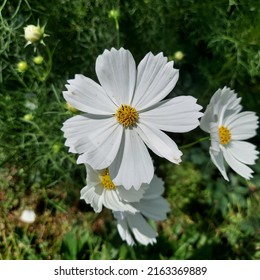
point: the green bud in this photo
(38, 59)
(179, 55)
(56, 148)
(71, 108)
(22, 66)
(28, 117)
(113, 14)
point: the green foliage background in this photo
(210, 218)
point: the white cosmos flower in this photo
(228, 127)
(125, 114)
(152, 206)
(101, 191)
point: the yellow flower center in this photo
(224, 135)
(106, 180)
(126, 115)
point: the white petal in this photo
(93, 176)
(240, 168)
(83, 133)
(217, 159)
(243, 151)
(87, 96)
(133, 165)
(159, 142)
(155, 189)
(209, 113)
(73, 129)
(113, 201)
(206, 119)
(132, 195)
(142, 231)
(104, 146)
(227, 104)
(155, 80)
(179, 114)
(116, 71)
(214, 138)
(223, 103)
(93, 195)
(123, 229)
(155, 209)
(242, 125)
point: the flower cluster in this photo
(38, 66)
(121, 117)
(125, 115)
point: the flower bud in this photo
(56, 147)
(71, 108)
(179, 55)
(33, 33)
(22, 66)
(28, 117)
(113, 14)
(38, 59)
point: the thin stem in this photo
(194, 143)
(117, 33)
(117, 25)
(49, 64)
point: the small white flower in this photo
(125, 114)
(28, 216)
(136, 226)
(101, 191)
(228, 127)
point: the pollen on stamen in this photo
(106, 180)
(224, 135)
(127, 115)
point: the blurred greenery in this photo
(210, 218)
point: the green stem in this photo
(117, 33)
(117, 25)
(49, 65)
(194, 143)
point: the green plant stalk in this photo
(194, 143)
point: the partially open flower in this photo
(33, 34)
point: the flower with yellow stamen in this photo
(101, 191)
(228, 128)
(125, 114)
